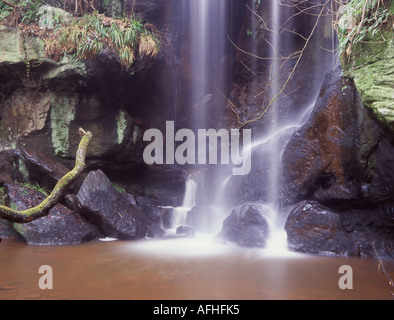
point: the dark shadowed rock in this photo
(9, 167)
(109, 209)
(60, 227)
(155, 232)
(247, 226)
(312, 228)
(7, 230)
(44, 170)
(152, 214)
(30, 166)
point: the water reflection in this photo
(181, 269)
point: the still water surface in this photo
(182, 270)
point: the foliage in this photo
(22, 11)
(362, 20)
(36, 187)
(30, 11)
(91, 34)
(5, 10)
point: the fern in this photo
(91, 34)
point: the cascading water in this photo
(219, 191)
(207, 29)
(189, 201)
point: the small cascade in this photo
(189, 201)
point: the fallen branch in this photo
(43, 208)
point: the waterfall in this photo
(217, 190)
(207, 35)
(274, 86)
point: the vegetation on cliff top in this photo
(88, 34)
(91, 34)
(363, 21)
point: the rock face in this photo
(109, 209)
(246, 226)
(341, 161)
(341, 155)
(60, 227)
(42, 107)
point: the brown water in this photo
(175, 270)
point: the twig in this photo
(381, 266)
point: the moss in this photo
(20, 228)
(62, 113)
(371, 65)
(136, 133)
(121, 126)
(23, 170)
(3, 196)
(118, 187)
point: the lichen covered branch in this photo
(43, 208)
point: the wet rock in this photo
(185, 231)
(109, 209)
(152, 216)
(44, 170)
(71, 202)
(167, 217)
(340, 156)
(155, 232)
(312, 228)
(7, 230)
(9, 167)
(372, 230)
(60, 227)
(247, 226)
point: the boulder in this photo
(185, 231)
(153, 216)
(60, 227)
(312, 228)
(109, 209)
(340, 156)
(247, 226)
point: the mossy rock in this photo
(371, 64)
